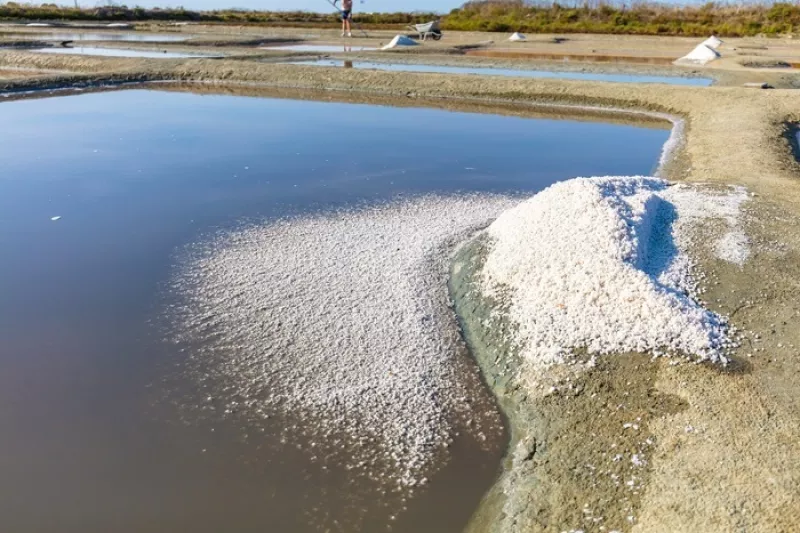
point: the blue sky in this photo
(307, 5)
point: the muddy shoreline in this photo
(723, 441)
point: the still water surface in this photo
(117, 52)
(96, 434)
(319, 47)
(519, 73)
(96, 36)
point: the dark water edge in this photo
(792, 134)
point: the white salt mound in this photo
(600, 264)
(701, 55)
(516, 36)
(713, 42)
(400, 40)
(733, 246)
(343, 321)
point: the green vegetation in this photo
(723, 19)
(53, 12)
(591, 16)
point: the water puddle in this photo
(226, 313)
(96, 36)
(519, 73)
(585, 58)
(117, 52)
(319, 48)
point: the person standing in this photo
(347, 14)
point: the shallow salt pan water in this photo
(342, 320)
(141, 385)
(519, 73)
(344, 47)
(96, 36)
(117, 52)
(797, 137)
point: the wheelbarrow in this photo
(429, 29)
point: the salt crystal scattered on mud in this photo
(342, 322)
(733, 246)
(600, 264)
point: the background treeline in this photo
(120, 13)
(594, 16)
(727, 19)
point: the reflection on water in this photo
(96, 36)
(99, 195)
(117, 52)
(319, 48)
(520, 73)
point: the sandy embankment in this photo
(724, 443)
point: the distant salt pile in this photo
(600, 264)
(701, 55)
(342, 324)
(713, 42)
(516, 37)
(400, 40)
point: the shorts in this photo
(346, 14)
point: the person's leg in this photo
(349, 16)
(344, 24)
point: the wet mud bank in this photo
(572, 464)
(614, 443)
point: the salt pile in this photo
(600, 264)
(400, 40)
(734, 245)
(713, 42)
(701, 55)
(342, 323)
(516, 36)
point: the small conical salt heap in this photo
(400, 40)
(713, 42)
(701, 55)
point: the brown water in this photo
(104, 426)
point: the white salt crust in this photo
(400, 40)
(713, 42)
(734, 245)
(343, 321)
(600, 264)
(700, 55)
